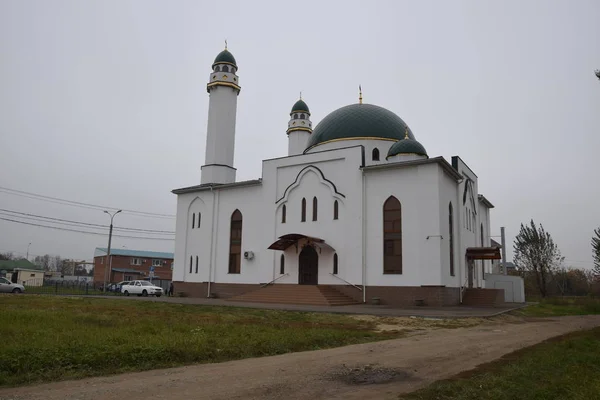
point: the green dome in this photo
(407, 146)
(359, 121)
(300, 105)
(225, 57)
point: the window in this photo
(199, 219)
(335, 210)
(193, 220)
(235, 243)
(156, 263)
(282, 265)
(136, 261)
(295, 116)
(451, 236)
(375, 155)
(196, 264)
(225, 68)
(314, 208)
(482, 261)
(335, 263)
(191, 264)
(128, 278)
(302, 116)
(217, 69)
(283, 212)
(101, 260)
(303, 210)
(392, 236)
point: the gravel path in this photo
(368, 371)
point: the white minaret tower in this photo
(299, 128)
(223, 89)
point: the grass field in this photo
(48, 338)
(566, 367)
(557, 306)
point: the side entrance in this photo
(308, 266)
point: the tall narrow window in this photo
(336, 210)
(283, 212)
(191, 264)
(375, 155)
(196, 264)
(303, 210)
(282, 265)
(482, 261)
(217, 69)
(314, 208)
(335, 263)
(451, 236)
(392, 236)
(225, 68)
(235, 243)
(193, 220)
(199, 219)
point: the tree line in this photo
(539, 261)
(54, 264)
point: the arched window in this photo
(302, 116)
(336, 210)
(283, 212)
(193, 220)
(314, 208)
(295, 116)
(225, 68)
(217, 69)
(303, 210)
(375, 155)
(191, 264)
(335, 263)
(199, 219)
(235, 243)
(451, 237)
(482, 261)
(196, 264)
(392, 236)
(282, 265)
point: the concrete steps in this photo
(316, 295)
(483, 297)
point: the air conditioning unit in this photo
(248, 255)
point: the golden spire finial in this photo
(359, 94)
(300, 95)
(225, 44)
(406, 133)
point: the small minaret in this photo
(299, 128)
(223, 89)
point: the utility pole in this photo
(108, 252)
(28, 251)
(503, 238)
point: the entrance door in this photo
(308, 271)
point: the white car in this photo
(141, 288)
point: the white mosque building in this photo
(356, 205)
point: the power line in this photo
(57, 200)
(77, 223)
(79, 231)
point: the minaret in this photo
(299, 128)
(223, 89)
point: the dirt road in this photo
(400, 365)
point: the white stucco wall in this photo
(514, 287)
(382, 145)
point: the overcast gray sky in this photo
(105, 102)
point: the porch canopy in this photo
(292, 239)
(483, 253)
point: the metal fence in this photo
(65, 287)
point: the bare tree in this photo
(7, 256)
(535, 251)
(596, 253)
(57, 264)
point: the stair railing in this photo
(273, 281)
(462, 290)
(348, 283)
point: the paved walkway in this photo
(428, 312)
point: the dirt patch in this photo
(411, 324)
(369, 374)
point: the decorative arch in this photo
(451, 236)
(320, 175)
(217, 69)
(392, 236)
(235, 243)
(225, 68)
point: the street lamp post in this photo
(108, 252)
(28, 251)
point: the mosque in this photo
(357, 205)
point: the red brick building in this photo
(126, 265)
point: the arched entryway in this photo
(308, 266)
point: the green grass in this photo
(67, 290)
(558, 306)
(47, 338)
(562, 368)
